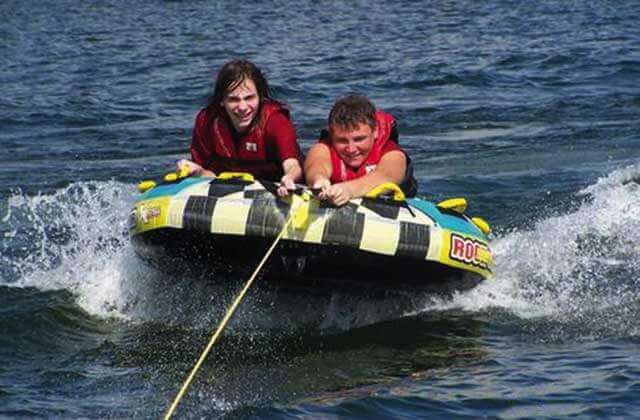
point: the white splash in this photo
(74, 240)
(585, 260)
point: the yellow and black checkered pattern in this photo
(236, 207)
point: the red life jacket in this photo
(249, 152)
(342, 172)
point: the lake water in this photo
(530, 110)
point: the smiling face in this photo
(242, 104)
(353, 144)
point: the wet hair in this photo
(230, 76)
(350, 111)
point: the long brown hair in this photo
(230, 76)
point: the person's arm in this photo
(200, 151)
(391, 168)
(292, 174)
(317, 166)
(281, 133)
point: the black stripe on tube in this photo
(414, 240)
(344, 227)
(219, 188)
(265, 217)
(198, 212)
(387, 210)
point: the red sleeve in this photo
(201, 149)
(279, 132)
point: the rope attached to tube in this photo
(234, 306)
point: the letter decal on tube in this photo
(468, 251)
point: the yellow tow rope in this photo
(292, 215)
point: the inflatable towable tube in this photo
(376, 241)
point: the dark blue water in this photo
(530, 110)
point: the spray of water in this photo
(581, 267)
(567, 266)
(76, 240)
(73, 240)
